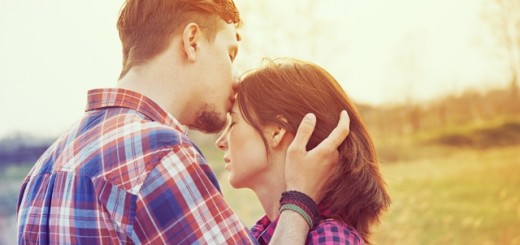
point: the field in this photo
(462, 196)
(468, 197)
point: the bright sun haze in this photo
(381, 52)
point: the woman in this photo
(270, 103)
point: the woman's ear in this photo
(190, 40)
(278, 132)
(276, 135)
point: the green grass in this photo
(446, 196)
(471, 197)
(465, 197)
(502, 135)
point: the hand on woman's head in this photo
(308, 171)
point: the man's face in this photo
(218, 78)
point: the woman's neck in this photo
(269, 197)
(270, 190)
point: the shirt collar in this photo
(263, 230)
(117, 97)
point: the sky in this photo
(52, 52)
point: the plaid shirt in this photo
(327, 231)
(125, 173)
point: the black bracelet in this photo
(303, 202)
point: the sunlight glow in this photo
(380, 51)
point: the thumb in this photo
(304, 132)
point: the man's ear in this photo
(190, 40)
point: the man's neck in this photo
(170, 93)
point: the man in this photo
(127, 172)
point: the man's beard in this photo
(208, 120)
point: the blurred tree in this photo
(408, 62)
(504, 16)
(19, 148)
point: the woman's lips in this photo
(228, 163)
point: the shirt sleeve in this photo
(178, 204)
(334, 232)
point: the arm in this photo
(307, 172)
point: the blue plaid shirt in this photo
(126, 173)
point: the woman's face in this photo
(244, 152)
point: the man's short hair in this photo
(146, 26)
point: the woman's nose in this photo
(221, 142)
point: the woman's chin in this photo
(235, 184)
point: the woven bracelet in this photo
(302, 200)
(300, 203)
(299, 211)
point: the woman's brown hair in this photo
(146, 26)
(281, 93)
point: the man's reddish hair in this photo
(146, 26)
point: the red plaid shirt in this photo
(327, 231)
(125, 173)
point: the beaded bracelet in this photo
(300, 203)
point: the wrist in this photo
(310, 192)
(301, 204)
